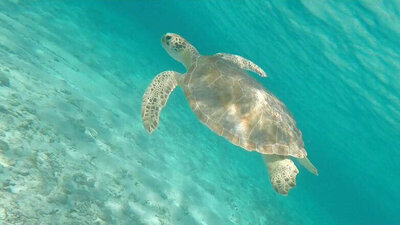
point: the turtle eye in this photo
(168, 37)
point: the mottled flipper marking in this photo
(243, 63)
(282, 173)
(155, 98)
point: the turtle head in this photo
(179, 49)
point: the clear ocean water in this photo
(73, 149)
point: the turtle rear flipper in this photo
(282, 173)
(156, 96)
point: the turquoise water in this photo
(73, 149)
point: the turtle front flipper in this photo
(156, 96)
(282, 173)
(243, 63)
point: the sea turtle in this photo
(233, 105)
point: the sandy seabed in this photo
(72, 147)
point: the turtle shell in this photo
(234, 105)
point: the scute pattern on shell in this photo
(235, 106)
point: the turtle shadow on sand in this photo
(4, 81)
